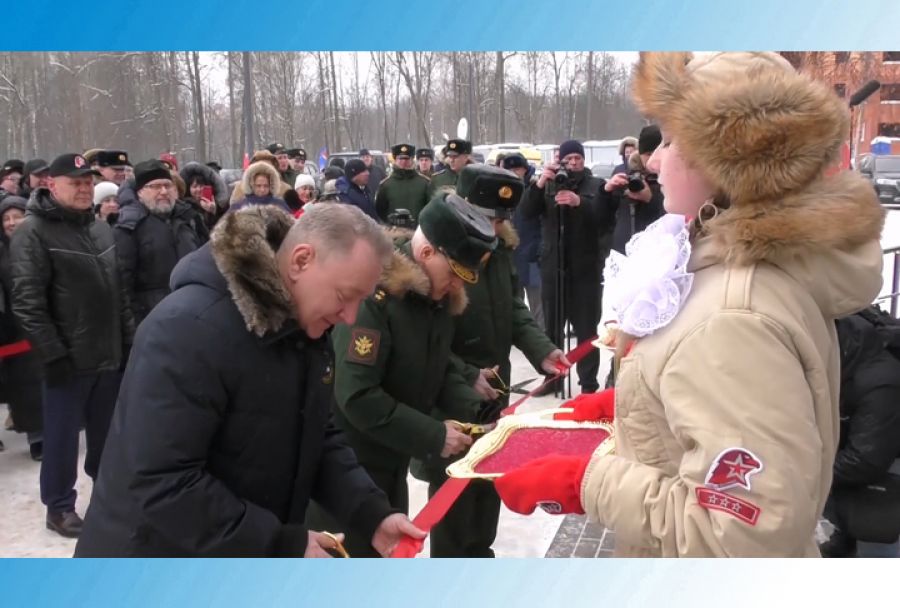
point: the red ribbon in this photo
(16, 348)
(436, 508)
(574, 356)
(432, 513)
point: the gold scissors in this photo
(472, 429)
(502, 389)
(338, 547)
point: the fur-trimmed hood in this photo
(244, 244)
(764, 135)
(209, 176)
(261, 168)
(404, 275)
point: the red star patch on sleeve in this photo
(363, 346)
(733, 468)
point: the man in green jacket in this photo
(397, 389)
(495, 320)
(404, 188)
(456, 156)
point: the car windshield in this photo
(887, 164)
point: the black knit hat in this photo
(149, 170)
(354, 167)
(570, 146)
(649, 139)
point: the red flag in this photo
(246, 161)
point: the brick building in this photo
(879, 115)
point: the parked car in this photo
(380, 158)
(531, 155)
(602, 156)
(548, 153)
(883, 171)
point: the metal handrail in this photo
(894, 295)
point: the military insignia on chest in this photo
(363, 347)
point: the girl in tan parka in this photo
(727, 417)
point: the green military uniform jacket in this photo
(444, 179)
(402, 189)
(496, 319)
(289, 177)
(395, 381)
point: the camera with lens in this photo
(635, 181)
(564, 181)
(401, 218)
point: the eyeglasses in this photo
(160, 187)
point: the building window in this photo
(890, 93)
(841, 57)
(841, 89)
(889, 129)
(891, 56)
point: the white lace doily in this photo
(648, 285)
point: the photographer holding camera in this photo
(633, 200)
(566, 197)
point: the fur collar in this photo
(403, 275)
(839, 212)
(508, 235)
(244, 244)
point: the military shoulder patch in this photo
(379, 295)
(363, 346)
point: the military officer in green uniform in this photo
(397, 389)
(456, 156)
(425, 161)
(404, 188)
(495, 320)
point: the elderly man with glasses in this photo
(153, 235)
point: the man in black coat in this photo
(632, 208)
(570, 255)
(223, 430)
(68, 298)
(353, 187)
(152, 236)
(870, 436)
(527, 255)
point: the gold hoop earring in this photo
(708, 209)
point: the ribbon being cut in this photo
(516, 440)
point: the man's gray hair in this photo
(335, 229)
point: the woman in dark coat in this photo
(20, 373)
(196, 177)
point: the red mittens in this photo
(552, 483)
(596, 406)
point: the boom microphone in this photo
(863, 93)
